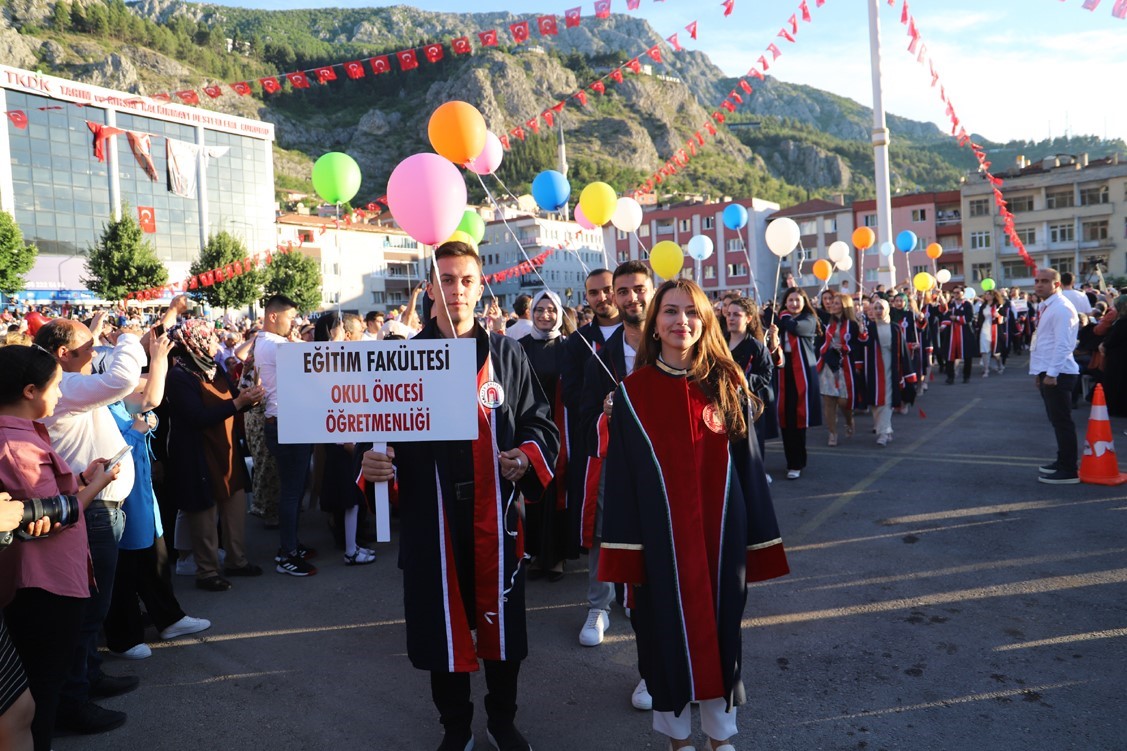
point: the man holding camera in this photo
(82, 429)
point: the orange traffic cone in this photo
(1099, 465)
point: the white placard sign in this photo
(345, 392)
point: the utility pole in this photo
(887, 276)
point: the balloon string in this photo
(514, 235)
(645, 250)
(506, 187)
(750, 271)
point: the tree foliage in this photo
(296, 276)
(123, 261)
(221, 250)
(16, 257)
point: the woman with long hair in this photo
(836, 379)
(990, 325)
(799, 399)
(758, 352)
(688, 519)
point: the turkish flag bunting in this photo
(572, 17)
(407, 60)
(354, 69)
(634, 66)
(488, 38)
(433, 52)
(194, 282)
(101, 133)
(325, 74)
(735, 95)
(674, 43)
(519, 31)
(912, 30)
(710, 127)
(754, 73)
(692, 29)
(298, 80)
(819, 3)
(162, 97)
(905, 14)
(547, 25)
(700, 138)
(219, 275)
(745, 86)
(633, 4)
(775, 52)
(461, 46)
(242, 88)
(785, 35)
(935, 76)
(657, 178)
(270, 85)
(602, 8)
(963, 137)
(729, 6)
(616, 75)
(804, 9)
(188, 96)
(582, 97)
(533, 124)
(692, 146)
(763, 62)
(923, 53)
(728, 106)
(380, 64)
(18, 118)
(559, 106)
(229, 270)
(793, 21)
(718, 116)
(213, 91)
(549, 118)
(599, 87)
(504, 142)
(1119, 10)
(518, 132)
(208, 278)
(654, 53)
(147, 219)
(913, 45)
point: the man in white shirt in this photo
(1079, 300)
(522, 326)
(1051, 362)
(373, 322)
(82, 429)
(292, 458)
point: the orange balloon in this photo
(823, 269)
(457, 132)
(934, 251)
(863, 238)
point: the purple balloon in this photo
(427, 197)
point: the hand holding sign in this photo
(376, 466)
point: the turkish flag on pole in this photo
(433, 52)
(18, 118)
(692, 29)
(242, 88)
(488, 38)
(147, 217)
(325, 74)
(380, 64)
(270, 84)
(407, 60)
(547, 25)
(602, 8)
(354, 69)
(461, 46)
(572, 17)
(298, 80)
(519, 31)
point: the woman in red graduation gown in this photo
(687, 518)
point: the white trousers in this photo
(717, 723)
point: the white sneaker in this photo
(882, 439)
(771, 480)
(598, 621)
(641, 698)
(136, 652)
(184, 626)
(794, 474)
(187, 566)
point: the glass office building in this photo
(61, 195)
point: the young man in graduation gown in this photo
(957, 331)
(460, 533)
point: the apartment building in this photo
(821, 223)
(935, 217)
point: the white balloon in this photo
(700, 247)
(782, 236)
(627, 215)
(838, 250)
(969, 293)
(845, 264)
(943, 276)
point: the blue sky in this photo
(1013, 68)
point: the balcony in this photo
(663, 229)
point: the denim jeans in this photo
(104, 526)
(293, 470)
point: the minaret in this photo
(561, 151)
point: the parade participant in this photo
(825, 303)
(83, 429)
(957, 332)
(758, 353)
(933, 312)
(799, 400)
(1056, 372)
(889, 377)
(990, 324)
(1079, 300)
(522, 325)
(688, 518)
(549, 539)
(836, 380)
(633, 288)
(373, 322)
(460, 536)
(906, 314)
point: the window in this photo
(1062, 233)
(921, 269)
(708, 222)
(979, 207)
(809, 227)
(377, 298)
(737, 269)
(1060, 199)
(980, 240)
(919, 215)
(829, 224)
(871, 275)
(980, 271)
(733, 244)
(1093, 196)
(1062, 264)
(869, 220)
(621, 234)
(623, 256)
(1093, 231)
(1014, 270)
(644, 231)
(1027, 235)
(1020, 203)
(687, 272)
(684, 225)
(709, 272)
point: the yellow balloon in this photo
(823, 269)
(666, 258)
(598, 201)
(923, 281)
(462, 237)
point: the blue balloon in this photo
(907, 241)
(886, 248)
(735, 216)
(551, 190)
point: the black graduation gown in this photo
(752, 355)
(957, 332)
(904, 376)
(461, 556)
(914, 329)
(688, 519)
(798, 397)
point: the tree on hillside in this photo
(296, 276)
(222, 249)
(60, 16)
(123, 261)
(16, 257)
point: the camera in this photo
(60, 509)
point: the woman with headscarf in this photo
(206, 476)
(546, 517)
(889, 378)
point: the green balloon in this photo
(987, 284)
(336, 177)
(473, 225)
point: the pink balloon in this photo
(487, 162)
(581, 219)
(427, 197)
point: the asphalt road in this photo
(940, 598)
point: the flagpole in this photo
(880, 139)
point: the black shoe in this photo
(506, 738)
(457, 740)
(1049, 469)
(295, 566)
(302, 552)
(113, 685)
(213, 584)
(1061, 477)
(88, 719)
(555, 576)
(534, 573)
(950, 380)
(248, 570)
